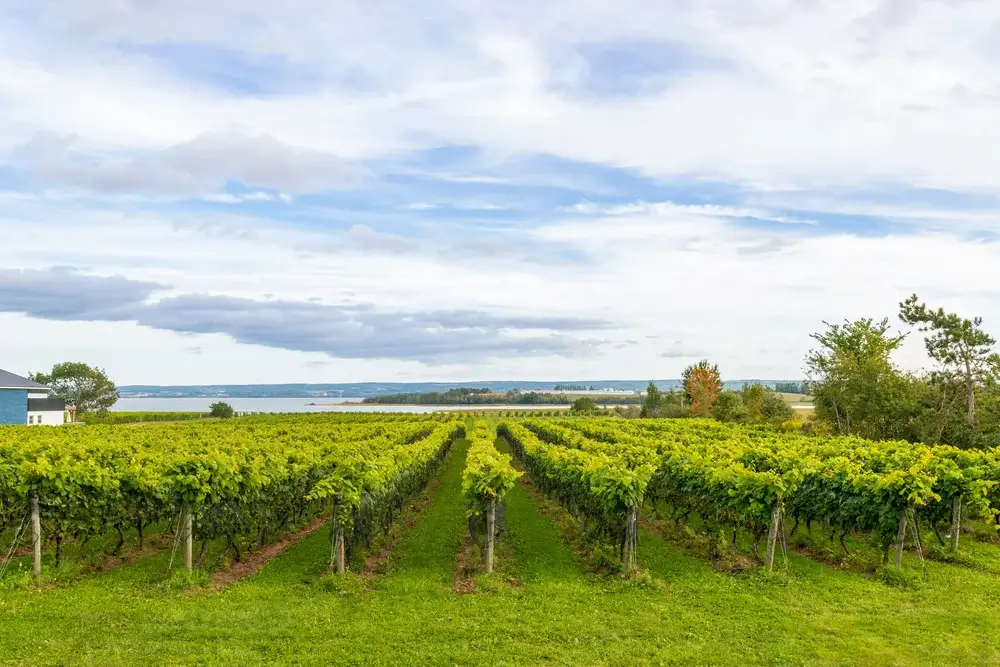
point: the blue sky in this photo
(242, 192)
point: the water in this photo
(297, 405)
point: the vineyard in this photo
(393, 495)
(216, 480)
(605, 470)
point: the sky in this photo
(306, 191)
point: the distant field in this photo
(797, 399)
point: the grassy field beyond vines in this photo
(545, 608)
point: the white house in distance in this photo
(25, 402)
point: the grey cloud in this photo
(198, 167)
(363, 332)
(345, 331)
(679, 351)
(65, 294)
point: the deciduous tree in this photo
(87, 388)
(702, 384)
(855, 385)
(221, 410)
(754, 396)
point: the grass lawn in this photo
(557, 614)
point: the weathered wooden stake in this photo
(772, 535)
(187, 526)
(336, 541)
(491, 529)
(36, 536)
(901, 537)
(956, 521)
(631, 541)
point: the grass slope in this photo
(818, 615)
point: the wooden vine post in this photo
(956, 521)
(901, 537)
(631, 541)
(772, 534)
(36, 536)
(187, 531)
(491, 531)
(336, 539)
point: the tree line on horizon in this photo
(857, 389)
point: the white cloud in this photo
(681, 276)
(815, 102)
(666, 208)
(815, 94)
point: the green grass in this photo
(559, 615)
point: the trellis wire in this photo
(18, 535)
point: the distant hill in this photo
(365, 389)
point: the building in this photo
(25, 402)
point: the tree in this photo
(855, 385)
(729, 407)
(775, 409)
(88, 389)
(702, 384)
(958, 344)
(653, 402)
(754, 396)
(755, 404)
(584, 406)
(221, 410)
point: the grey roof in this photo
(11, 381)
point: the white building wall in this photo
(47, 418)
(50, 418)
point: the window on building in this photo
(31, 419)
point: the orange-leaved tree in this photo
(702, 384)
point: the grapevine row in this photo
(752, 478)
(487, 478)
(229, 479)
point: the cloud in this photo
(765, 246)
(679, 350)
(669, 207)
(655, 159)
(69, 295)
(199, 167)
(344, 331)
(363, 238)
(364, 332)
(634, 67)
(215, 230)
(484, 75)
(236, 71)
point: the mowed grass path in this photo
(561, 614)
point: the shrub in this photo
(221, 410)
